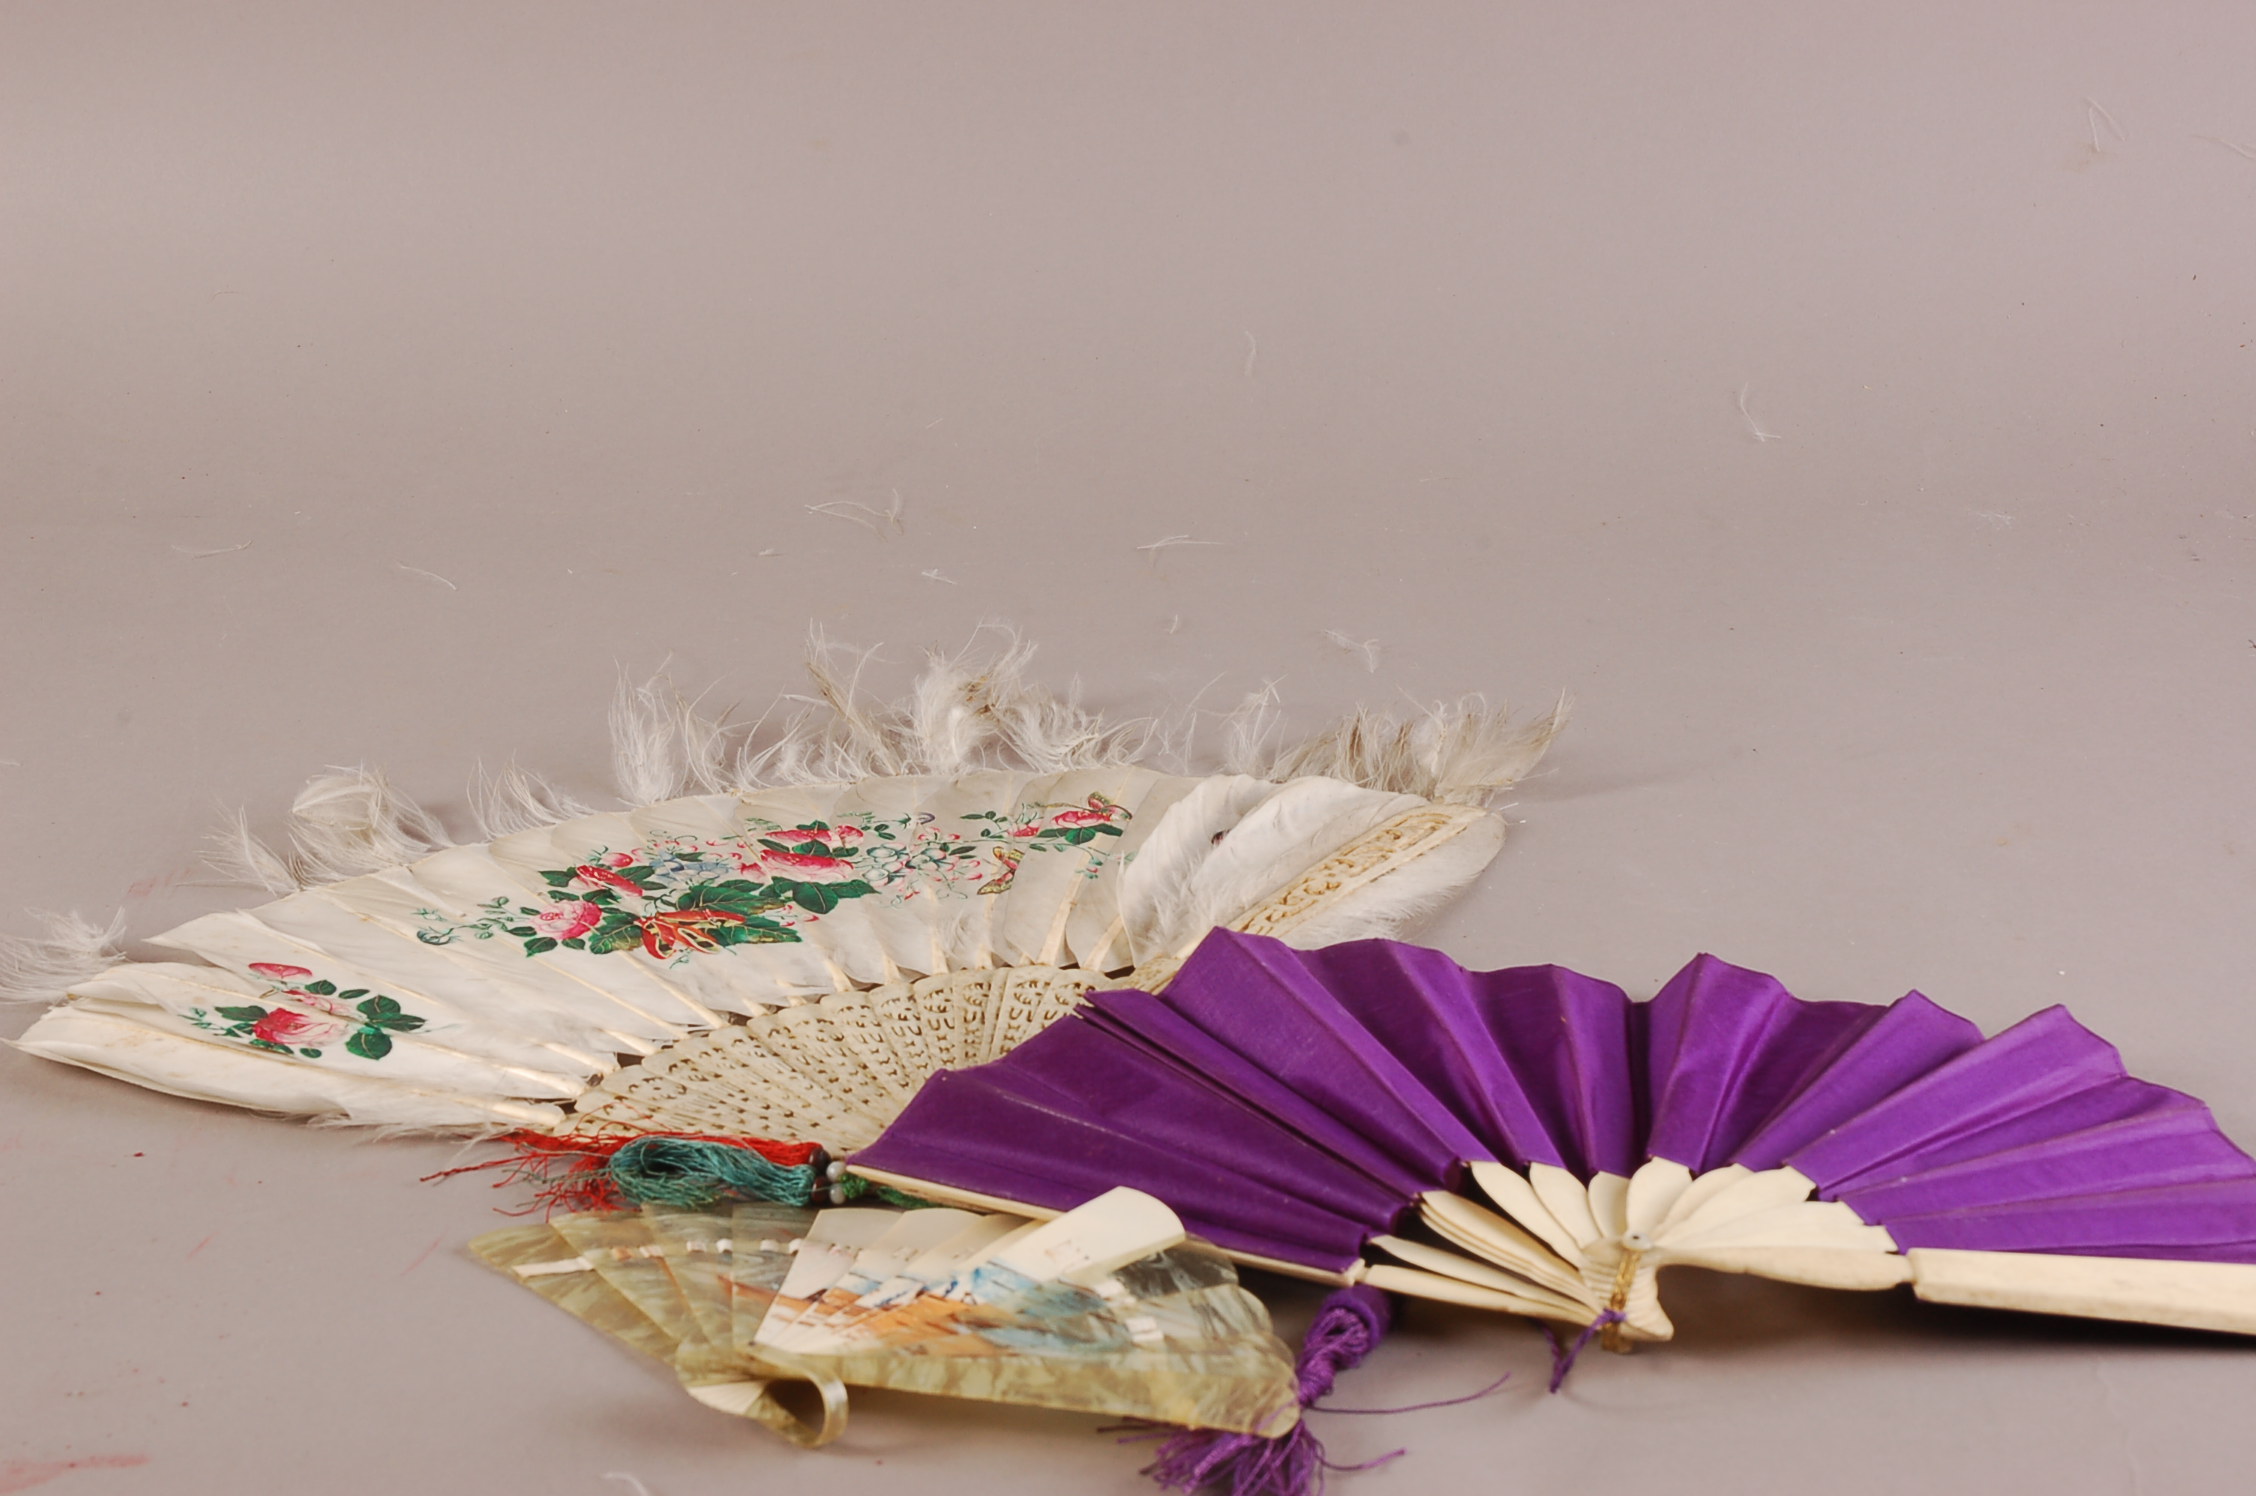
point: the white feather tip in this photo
(69, 949)
(1460, 753)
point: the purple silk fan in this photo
(1290, 1105)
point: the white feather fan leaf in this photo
(784, 939)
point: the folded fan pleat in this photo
(1297, 1030)
(1012, 1133)
(2156, 1149)
(2022, 1069)
(1727, 1047)
(1906, 1040)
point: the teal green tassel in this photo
(692, 1173)
(855, 1187)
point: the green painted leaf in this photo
(614, 937)
(539, 944)
(323, 989)
(377, 1006)
(268, 1045)
(522, 932)
(1072, 836)
(370, 1044)
(398, 1023)
(606, 897)
(311, 1054)
(748, 903)
(350, 993)
(558, 877)
(820, 898)
(576, 943)
(242, 1015)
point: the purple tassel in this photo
(1349, 1325)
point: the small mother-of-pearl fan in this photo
(792, 949)
(1106, 1309)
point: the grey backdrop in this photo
(380, 378)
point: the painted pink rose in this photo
(1028, 830)
(322, 1002)
(276, 972)
(829, 836)
(294, 1030)
(616, 859)
(603, 877)
(567, 921)
(808, 867)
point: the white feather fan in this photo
(792, 948)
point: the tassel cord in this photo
(1563, 1355)
(1446, 1402)
(1347, 1328)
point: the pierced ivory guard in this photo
(841, 1066)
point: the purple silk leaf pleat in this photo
(2076, 1111)
(2159, 1148)
(1187, 1128)
(1576, 1049)
(1727, 1047)
(1426, 1010)
(2105, 1104)
(2214, 1251)
(2216, 1215)
(986, 1131)
(2025, 1067)
(1805, 1042)
(1073, 1112)
(1149, 1023)
(1257, 996)
(1910, 1038)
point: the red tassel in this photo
(572, 1174)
